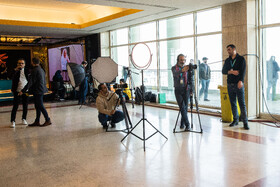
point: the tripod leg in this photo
(131, 130)
(197, 110)
(177, 120)
(156, 129)
(126, 116)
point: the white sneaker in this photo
(24, 122)
(13, 124)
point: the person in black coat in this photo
(37, 86)
(19, 80)
(58, 84)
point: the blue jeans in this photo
(182, 97)
(204, 88)
(39, 106)
(115, 118)
(271, 84)
(16, 102)
(83, 91)
(234, 92)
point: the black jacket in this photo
(15, 79)
(37, 82)
(239, 64)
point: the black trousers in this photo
(39, 106)
(16, 101)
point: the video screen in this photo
(8, 61)
(60, 56)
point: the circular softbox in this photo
(104, 70)
(76, 74)
(141, 56)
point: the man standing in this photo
(235, 69)
(105, 103)
(37, 86)
(272, 77)
(182, 88)
(19, 81)
(204, 77)
(83, 86)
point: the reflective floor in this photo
(76, 151)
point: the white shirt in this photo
(22, 80)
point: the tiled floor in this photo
(76, 151)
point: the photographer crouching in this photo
(106, 103)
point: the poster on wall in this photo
(8, 61)
(59, 57)
(65, 57)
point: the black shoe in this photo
(188, 127)
(113, 125)
(47, 123)
(34, 124)
(206, 100)
(182, 126)
(234, 123)
(105, 126)
(246, 126)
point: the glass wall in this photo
(167, 38)
(210, 67)
(169, 51)
(270, 56)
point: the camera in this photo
(120, 86)
(192, 66)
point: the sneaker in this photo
(24, 122)
(206, 100)
(182, 126)
(13, 124)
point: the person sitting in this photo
(126, 91)
(58, 85)
(105, 103)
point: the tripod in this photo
(190, 83)
(128, 123)
(143, 120)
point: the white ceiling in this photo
(152, 10)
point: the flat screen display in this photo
(60, 56)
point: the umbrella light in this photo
(104, 70)
(76, 74)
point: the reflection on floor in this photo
(76, 151)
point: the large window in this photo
(105, 47)
(120, 56)
(119, 37)
(212, 56)
(270, 11)
(167, 38)
(209, 21)
(270, 56)
(174, 27)
(169, 51)
(142, 33)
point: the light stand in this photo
(132, 85)
(143, 120)
(190, 82)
